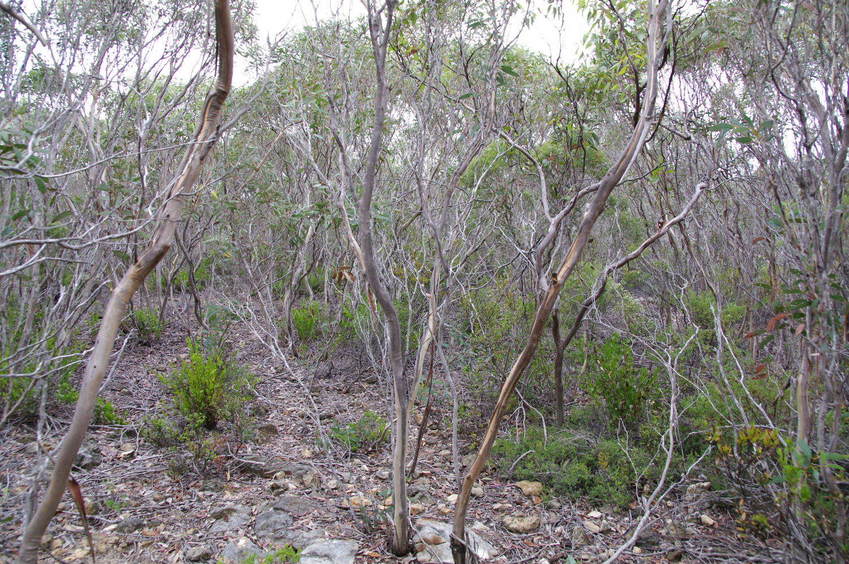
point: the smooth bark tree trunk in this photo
(163, 239)
(596, 206)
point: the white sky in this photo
(554, 39)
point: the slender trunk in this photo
(558, 368)
(163, 239)
(380, 25)
(605, 187)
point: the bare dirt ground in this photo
(149, 504)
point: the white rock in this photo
(330, 552)
(529, 488)
(430, 530)
(517, 523)
(591, 526)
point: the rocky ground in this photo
(148, 504)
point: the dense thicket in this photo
(719, 348)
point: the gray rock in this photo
(230, 518)
(88, 457)
(429, 534)
(294, 505)
(130, 525)
(273, 525)
(260, 466)
(198, 554)
(330, 552)
(238, 551)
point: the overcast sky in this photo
(553, 39)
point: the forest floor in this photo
(150, 504)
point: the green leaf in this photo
(60, 216)
(721, 127)
(509, 70)
(41, 184)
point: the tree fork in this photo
(608, 183)
(162, 241)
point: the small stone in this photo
(432, 538)
(239, 551)
(477, 491)
(358, 501)
(529, 488)
(382, 474)
(594, 514)
(451, 498)
(521, 523)
(198, 554)
(331, 484)
(637, 550)
(591, 526)
(330, 552)
(707, 520)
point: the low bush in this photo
(626, 390)
(148, 325)
(307, 319)
(207, 386)
(573, 466)
(366, 434)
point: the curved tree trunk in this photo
(608, 183)
(163, 238)
(380, 27)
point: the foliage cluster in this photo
(364, 435)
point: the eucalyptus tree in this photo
(777, 106)
(168, 216)
(87, 121)
(642, 127)
(455, 91)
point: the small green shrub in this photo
(148, 325)
(364, 435)
(202, 274)
(573, 466)
(625, 389)
(307, 320)
(207, 386)
(279, 556)
(105, 412)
